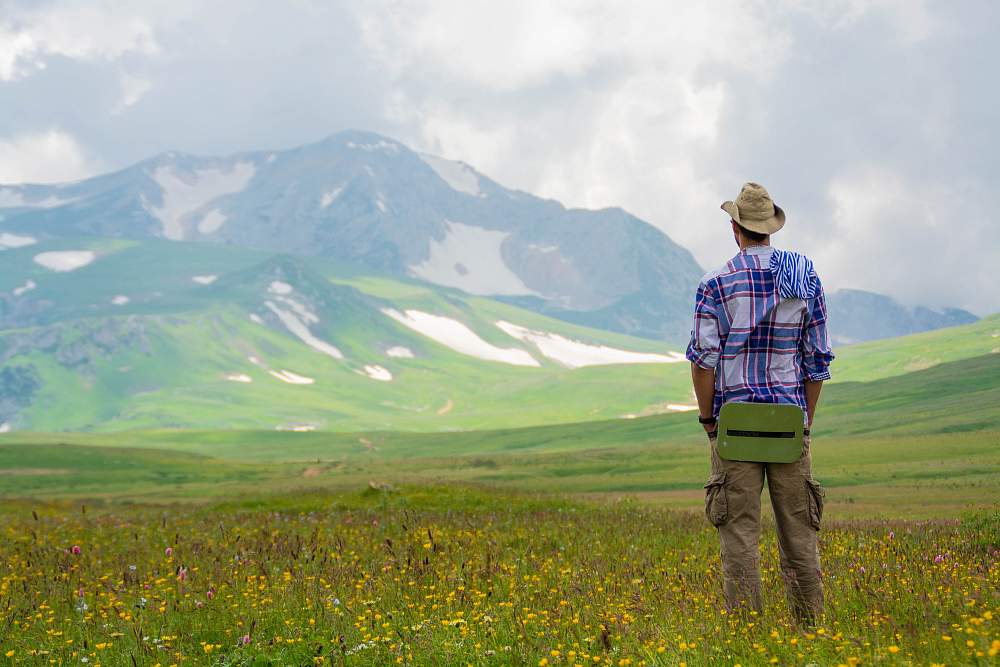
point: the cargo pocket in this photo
(716, 503)
(816, 496)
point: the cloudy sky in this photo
(874, 124)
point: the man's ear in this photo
(736, 229)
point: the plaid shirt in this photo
(763, 347)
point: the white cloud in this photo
(910, 238)
(592, 105)
(77, 30)
(47, 156)
(662, 108)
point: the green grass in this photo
(923, 444)
(457, 575)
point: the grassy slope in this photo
(198, 335)
(896, 356)
(888, 446)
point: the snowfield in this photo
(470, 259)
(65, 260)
(300, 330)
(458, 175)
(291, 378)
(205, 280)
(120, 300)
(212, 221)
(376, 372)
(330, 196)
(8, 240)
(239, 377)
(381, 145)
(278, 287)
(576, 354)
(26, 287)
(182, 194)
(460, 338)
(399, 352)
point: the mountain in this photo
(857, 316)
(353, 284)
(361, 198)
(99, 334)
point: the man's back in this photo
(763, 345)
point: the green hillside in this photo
(164, 357)
(926, 443)
(896, 356)
(158, 334)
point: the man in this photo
(760, 336)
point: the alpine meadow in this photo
(378, 333)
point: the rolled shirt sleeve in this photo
(704, 347)
(815, 346)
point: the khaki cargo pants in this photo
(732, 504)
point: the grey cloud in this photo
(663, 110)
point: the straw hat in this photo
(754, 210)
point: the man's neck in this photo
(744, 243)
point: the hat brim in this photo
(766, 226)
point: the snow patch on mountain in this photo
(460, 338)
(25, 288)
(376, 372)
(300, 330)
(382, 145)
(381, 204)
(212, 221)
(239, 377)
(205, 280)
(576, 354)
(292, 378)
(8, 240)
(330, 196)
(120, 300)
(399, 352)
(470, 259)
(458, 175)
(279, 287)
(65, 260)
(183, 194)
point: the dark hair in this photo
(756, 237)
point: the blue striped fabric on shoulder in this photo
(794, 275)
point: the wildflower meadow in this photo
(461, 575)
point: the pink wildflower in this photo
(75, 550)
